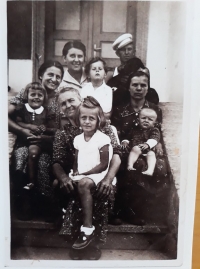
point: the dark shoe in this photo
(83, 240)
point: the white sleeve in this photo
(103, 140)
(83, 92)
(76, 142)
(107, 101)
(152, 143)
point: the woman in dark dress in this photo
(140, 198)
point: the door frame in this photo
(39, 31)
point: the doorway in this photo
(96, 23)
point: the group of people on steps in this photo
(89, 148)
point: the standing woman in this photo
(50, 74)
(74, 53)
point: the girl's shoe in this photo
(83, 240)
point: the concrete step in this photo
(37, 254)
(37, 233)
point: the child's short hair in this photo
(35, 86)
(91, 103)
(94, 60)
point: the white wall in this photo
(165, 49)
(19, 74)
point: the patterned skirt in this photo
(72, 219)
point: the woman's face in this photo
(68, 102)
(138, 87)
(51, 78)
(74, 59)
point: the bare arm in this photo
(104, 159)
(75, 166)
(105, 187)
(63, 178)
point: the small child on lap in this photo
(32, 115)
(144, 141)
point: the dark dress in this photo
(137, 193)
(63, 154)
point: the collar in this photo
(89, 84)
(37, 111)
(128, 109)
(68, 78)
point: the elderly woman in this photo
(74, 53)
(63, 158)
(138, 192)
(50, 74)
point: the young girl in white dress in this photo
(92, 156)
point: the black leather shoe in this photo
(83, 240)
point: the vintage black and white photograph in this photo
(97, 112)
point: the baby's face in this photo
(35, 98)
(147, 118)
(97, 71)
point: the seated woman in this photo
(137, 191)
(63, 160)
(50, 74)
(119, 83)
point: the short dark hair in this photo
(35, 86)
(73, 44)
(137, 74)
(48, 64)
(94, 60)
(91, 103)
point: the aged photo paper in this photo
(147, 221)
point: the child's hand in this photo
(33, 128)
(125, 144)
(143, 146)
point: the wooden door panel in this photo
(111, 19)
(59, 30)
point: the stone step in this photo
(37, 254)
(38, 233)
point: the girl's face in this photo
(97, 72)
(138, 87)
(35, 98)
(88, 119)
(74, 60)
(69, 101)
(51, 78)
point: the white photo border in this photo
(189, 163)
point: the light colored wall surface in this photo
(165, 49)
(19, 74)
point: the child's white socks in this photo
(87, 230)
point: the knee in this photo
(136, 150)
(85, 184)
(34, 152)
(151, 153)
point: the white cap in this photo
(122, 41)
